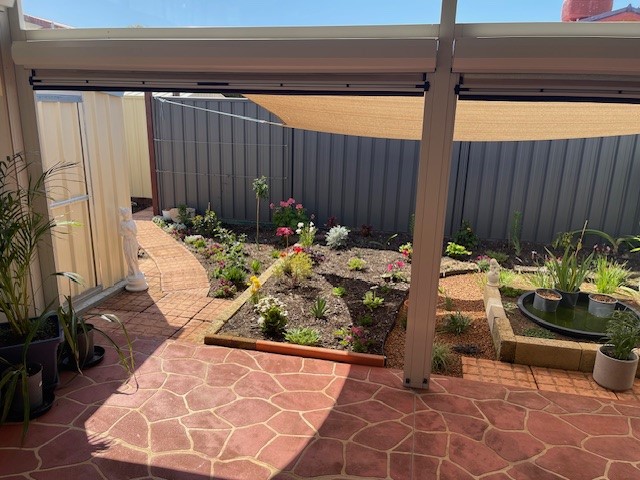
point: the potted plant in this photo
(568, 273)
(22, 228)
(78, 350)
(602, 305)
(546, 300)
(616, 362)
(21, 391)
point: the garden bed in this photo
(343, 313)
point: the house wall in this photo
(557, 185)
(135, 128)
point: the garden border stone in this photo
(535, 352)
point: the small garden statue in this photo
(493, 277)
(136, 281)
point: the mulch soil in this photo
(466, 293)
(344, 311)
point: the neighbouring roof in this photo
(603, 16)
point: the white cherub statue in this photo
(136, 281)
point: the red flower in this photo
(284, 232)
(298, 249)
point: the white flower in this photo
(299, 231)
(260, 320)
(310, 224)
(300, 225)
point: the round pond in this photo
(573, 322)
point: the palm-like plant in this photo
(22, 228)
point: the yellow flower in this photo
(254, 283)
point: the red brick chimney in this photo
(574, 10)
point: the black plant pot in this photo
(44, 352)
(569, 299)
(88, 354)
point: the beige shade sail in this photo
(401, 117)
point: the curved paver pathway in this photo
(179, 270)
(176, 304)
(203, 412)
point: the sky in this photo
(253, 13)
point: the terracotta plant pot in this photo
(546, 300)
(601, 306)
(614, 374)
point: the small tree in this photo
(261, 189)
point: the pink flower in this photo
(291, 201)
(271, 205)
(299, 206)
(283, 204)
(389, 267)
(400, 264)
(284, 231)
(358, 331)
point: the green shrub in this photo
(256, 266)
(319, 308)
(511, 291)
(457, 323)
(515, 231)
(295, 268)
(441, 357)
(371, 300)
(225, 289)
(357, 264)
(206, 225)
(500, 257)
(455, 250)
(183, 216)
(235, 275)
(307, 234)
(337, 237)
(365, 320)
(303, 336)
(273, 315)
(465, 236)
(507, 277)
(339, 291)
(289, 214)
(609, 275)
(275, 253)
(623, 334)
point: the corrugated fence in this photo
(207, 158)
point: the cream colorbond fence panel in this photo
(135, 122)
(107, 159)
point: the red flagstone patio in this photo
(199, 412)
(213, 412)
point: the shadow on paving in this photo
(198, 412)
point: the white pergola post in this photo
(20, 135)
(431, 204)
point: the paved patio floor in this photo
(199, 412)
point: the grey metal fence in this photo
(206, 158)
